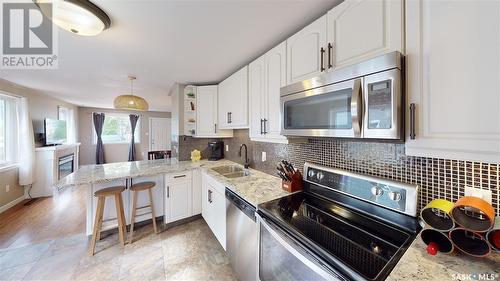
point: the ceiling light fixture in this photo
(80, 17)
(131, 102)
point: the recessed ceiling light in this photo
(80, 17)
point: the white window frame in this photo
(11, 132)
(137, 140)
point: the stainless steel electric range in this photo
(342, 226)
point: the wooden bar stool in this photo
(101, 195)
(135, 188)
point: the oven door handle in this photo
(299, 252)
(356, 108)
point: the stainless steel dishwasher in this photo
(241, 236)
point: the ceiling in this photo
(163, 42)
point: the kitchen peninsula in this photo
(182, 178)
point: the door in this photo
(256, 96)
(305, 51)
(206, 114)
(275, 70)
(159, 133)
(330, 111)
(362, 29)
(452, 80)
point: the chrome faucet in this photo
(247, 162)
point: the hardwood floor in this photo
(43, 220)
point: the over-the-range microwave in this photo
(364, 100)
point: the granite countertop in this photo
(257, 188)
(416, 264)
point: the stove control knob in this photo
(377, 191)
(311, 173)
(395, 196)
(320, 176)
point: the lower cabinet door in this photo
(143, 199)
(197, 192)
(109, 215)
(178, 201)
(219, 210)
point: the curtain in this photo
(98, 123)
(26, 144)
(133, 123)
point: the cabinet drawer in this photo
(179, 177)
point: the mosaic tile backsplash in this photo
(437, 178)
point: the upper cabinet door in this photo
(275, 70)
(256, 78)
(453, 71)
(305, 50)
(233, 101)
(362, 29)
(206, 113)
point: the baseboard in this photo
(11, 204)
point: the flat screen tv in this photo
(55, 131)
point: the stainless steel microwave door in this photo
(323, 111)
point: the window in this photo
(117, 129)
(8, 130)
(68, 115)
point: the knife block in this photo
(295, 184)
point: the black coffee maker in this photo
(216, 150)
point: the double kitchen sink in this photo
(231, 171)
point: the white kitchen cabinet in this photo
(143, 199)
(233, 101)
(109, 214)
(178, 199)
(214, 207)
(363, 29)
(305, 50)
(266, 76)
(206, 113)
(197, 191)
(453, 69)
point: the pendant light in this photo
(80, 17)
(131, 102)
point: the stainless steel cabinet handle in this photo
(413, 135)
(265, 127)
(215, 128)
(322, 58)
(168, 191)
(210, 196)
(180, 176)
(261, 130)
(230, 117)
(356, 108)
(330, 48)
(227, 118)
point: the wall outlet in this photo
(7, 188)
(227, 147)
(264, 156)
(478, 192)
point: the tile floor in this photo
(185, 252)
